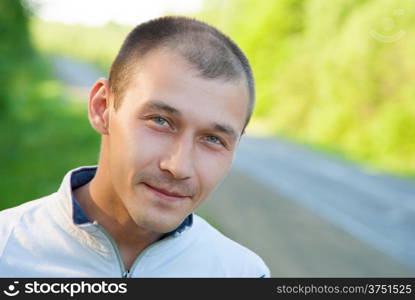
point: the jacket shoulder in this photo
(236, 259)
(10, 218)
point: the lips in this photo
(166, 192)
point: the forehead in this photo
(165, 75)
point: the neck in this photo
(100, 203)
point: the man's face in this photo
(172, 140)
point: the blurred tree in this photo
(15, 53)
(38, 127)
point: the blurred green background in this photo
(337, 76)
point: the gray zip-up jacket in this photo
(45, 238)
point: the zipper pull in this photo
(126, 274)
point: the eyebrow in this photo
(160, 105)
(226, 129)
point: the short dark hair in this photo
(213, 54)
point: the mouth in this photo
(165, 194)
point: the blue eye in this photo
(160, 121)
(213, 139)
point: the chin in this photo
(159, 224)
(163, 228)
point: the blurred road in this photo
(305, 214)
(78, 76)
(314, 216)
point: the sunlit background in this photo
(336, 77)
(99, 13)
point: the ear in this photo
(99, 106)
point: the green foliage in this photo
(50, 137)
(15, 53)
(334, 74)
(43, 135)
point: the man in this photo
(177, 101)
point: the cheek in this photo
(212, 169)
(149, 143)
(134, 147)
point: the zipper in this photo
(140, 256)
(124, 272)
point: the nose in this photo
(178, 160)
